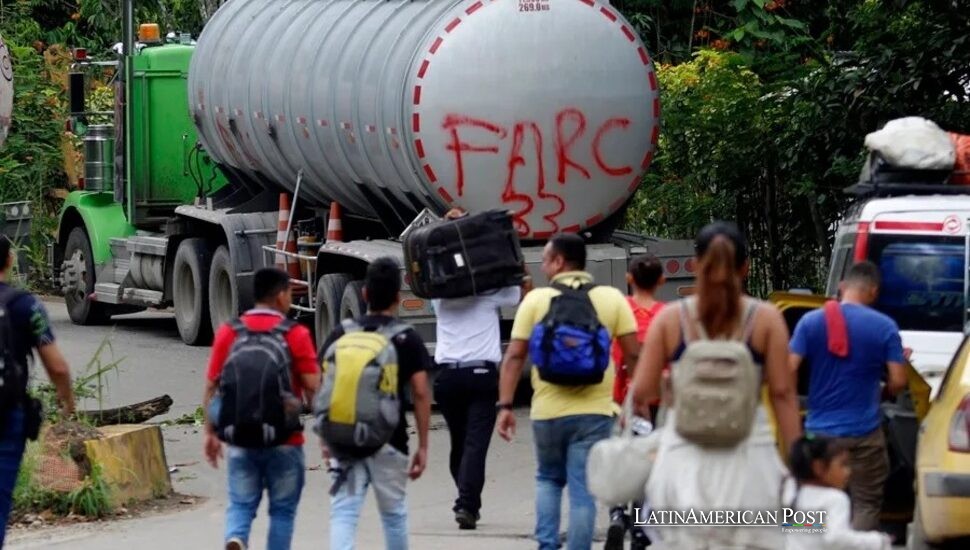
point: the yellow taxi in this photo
(943, 463)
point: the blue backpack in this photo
(570, 347)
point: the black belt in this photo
(469, 365)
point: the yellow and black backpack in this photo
(358, 407)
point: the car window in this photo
(922, 280)
(841, 262)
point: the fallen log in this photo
(130, 414)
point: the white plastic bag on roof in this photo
(913, 142)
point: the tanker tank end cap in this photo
(149, 33)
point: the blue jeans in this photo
(387, 472)
(562, 446)
(279, 471)
(12, 444)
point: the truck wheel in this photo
(352, 304)
(223, 296)
(330, 290)
(190, 291)
(77, 281)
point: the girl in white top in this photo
(821, 469)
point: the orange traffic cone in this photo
(335, 226)
(288, 264)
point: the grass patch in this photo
(91, 384)
(91, 499)
(90, 496)
(194, 418)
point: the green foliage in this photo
(31, 157)
(92, 499)
(768, 129)
(194, 418)
(89, 385)
(38, 33)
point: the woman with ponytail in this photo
(704, 472)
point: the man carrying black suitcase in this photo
(468, 352)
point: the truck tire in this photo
(79, 265)
(223, 293)
(330, 291)
(190, 291)
(352, 304)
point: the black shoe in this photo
(465, 519)
(638, 539)
(616, 531)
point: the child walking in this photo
(821, 469)
(644, 275)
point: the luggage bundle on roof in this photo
(913, 155)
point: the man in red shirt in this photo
(644, 276)
(278, 469)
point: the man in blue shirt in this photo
(845, 385)
(24, 327)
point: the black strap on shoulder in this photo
(9, 294)
(284, 326)
(582, 287)
(238, 326)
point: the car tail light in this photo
(861, 242)
(960, 427)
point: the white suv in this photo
(920, 244)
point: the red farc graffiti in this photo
(527, 147)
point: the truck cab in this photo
(920, 243)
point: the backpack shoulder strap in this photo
(750, 313)
(238, 326)
(691, 330)
(9, 294)
(395, 329)
(351, 325)
(284, 327)
(561, 287)
(582, 287)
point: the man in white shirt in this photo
(468, 353)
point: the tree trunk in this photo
(131, 414)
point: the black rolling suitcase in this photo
(469, 256)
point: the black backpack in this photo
(258, 408)
(570, 347)
(13, 372)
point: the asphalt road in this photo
(154, 361)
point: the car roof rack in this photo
(878, 178)
(883, 189)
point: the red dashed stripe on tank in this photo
(610, 15)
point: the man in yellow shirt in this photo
(566, 420)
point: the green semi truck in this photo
(369, 105)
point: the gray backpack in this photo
(716, 382)
(358, 409)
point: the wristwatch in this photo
(503, 406)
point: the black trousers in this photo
(466, 398)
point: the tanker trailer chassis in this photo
(182, 195)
